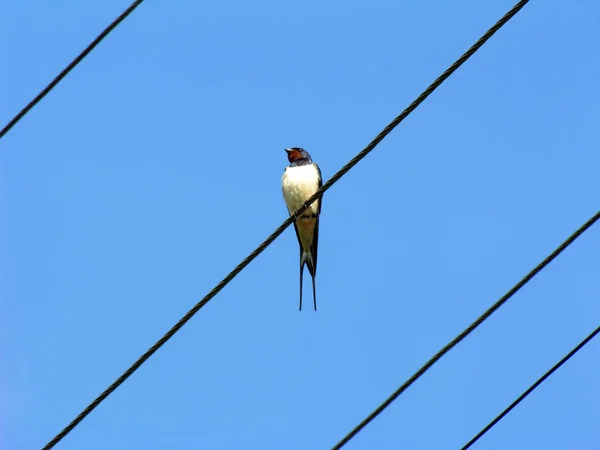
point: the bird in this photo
(300, 180)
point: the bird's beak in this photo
(288, 149)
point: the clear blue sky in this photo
(155, 167)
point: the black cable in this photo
(468, 330)
(532, 388)
(67, 69)
(284, 225)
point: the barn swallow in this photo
(300, 181)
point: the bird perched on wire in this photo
(300, 181)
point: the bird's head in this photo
(298, 155)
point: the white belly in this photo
(299, 184)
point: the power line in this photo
(532, 388)
(468, 330)
(67, 69)
(387, 130)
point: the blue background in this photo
(155, 167)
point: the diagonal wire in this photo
(387, 130)
(67, 69)
(532, 388)
(468, 330)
